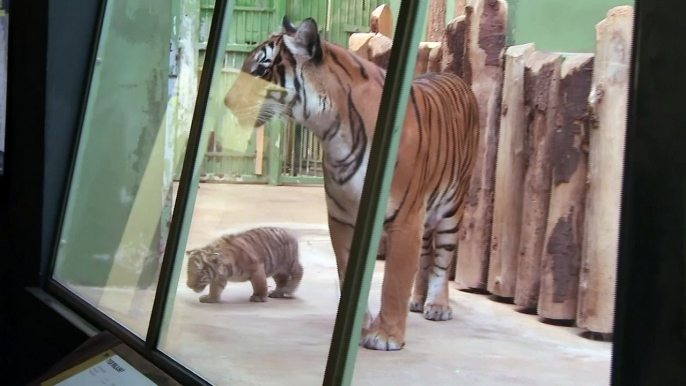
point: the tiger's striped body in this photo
(336, 95)
(252, 255)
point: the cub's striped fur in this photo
(336, 95)
(252, 255)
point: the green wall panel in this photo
(558, 25)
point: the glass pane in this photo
(133, 139)
(532, 299)
(258, 175)
(4, 30)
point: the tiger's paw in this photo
(208, 299)
(437, 312)
(417, 305)
(378, 339)
(258, 299)
(277, 294)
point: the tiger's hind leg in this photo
(421, 282)
(437, 305)
(286, 284)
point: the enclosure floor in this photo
(286, 342)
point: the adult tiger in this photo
(336, 95)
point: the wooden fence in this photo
(541, 228)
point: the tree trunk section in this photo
(460, 7)
(541, 89)
(561, 259)
(487, 28)
(608, 102)
(453, 46)
(371, 46)
(381, 21)
(511, 159)
(436, 23)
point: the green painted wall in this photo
(558, 25)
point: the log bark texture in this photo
(436, 23)
(541, 88)
(561, 259)
(487, 22)
(424, 60)
(608, 102)
(511, 162)
(453, 46)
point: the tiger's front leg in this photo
(341, 239)
(216, 289)
(387, 332)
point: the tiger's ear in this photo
(306, 42)
(288, 26)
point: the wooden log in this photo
(435, 58)
(381, 20)
(460, 7)
(483, 60)
(435, 25)
(511, 162)
(541, 94)
(424, 57)
(561, 259)
(374, 47)
(608, 102)
(453, 46)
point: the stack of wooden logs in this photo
(541, 226)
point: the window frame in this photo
(641, 260)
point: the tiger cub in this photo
(253, 255)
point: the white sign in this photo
(112, 371)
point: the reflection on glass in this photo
(119, 205)
(222, 340)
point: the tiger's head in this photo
(202, 268)
(281, 77)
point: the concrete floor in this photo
(285, 342)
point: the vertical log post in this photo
(561, 257)
(541, 93)
(608, 102)
(511, 162)
(460, 7)
(435, 58)
(425, 61)
(381, 21)
(487, 28)
(453, 46)
(422, 59)
(373, 47)
(436, 20)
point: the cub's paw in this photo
(208, 299)
(437, 312)
(377, 339)
(417, 305)
(258, 299)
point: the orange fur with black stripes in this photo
(253, 255)
(336, 94)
